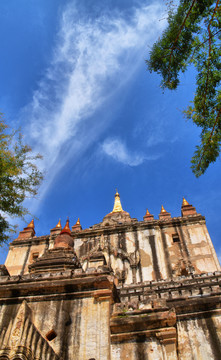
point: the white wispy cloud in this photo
(118, 150)
(92, 59)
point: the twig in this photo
(211, 134)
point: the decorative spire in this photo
(164, 215)
(58, 226)
(77, 226)
(162, 210)
(57, 229)
(117, 203)
(148, 216)
(185, 202)
(117, 214)
(66, 229)
(28, 232)
(31, 225)
(187, 209)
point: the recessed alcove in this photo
(51, 335)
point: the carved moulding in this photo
(20, 353)
(23, 341)
(106, 250)
(133, 258)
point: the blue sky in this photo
(73, 78)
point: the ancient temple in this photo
(121, 289)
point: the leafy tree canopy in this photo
(19, 178)
(193, 36)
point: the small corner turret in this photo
(164, 215)
(28, 232)
(77, 226)
(148, 216)
(66, 229)
(57, 229)
(187, 209)
(64, 239)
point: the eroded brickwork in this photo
(121, 289)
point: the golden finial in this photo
(31, 224)
(147, 212)
(185, 202)
(77, 226)
(58, 224)
(117, 203)
(162, 210)
(66, 229)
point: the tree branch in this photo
(179, 32)
(207, 39)
(209, 56)
(211, 134)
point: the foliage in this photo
(193, 36)
(19, 177)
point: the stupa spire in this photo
(28, 232)
(31, 225)
(77, 226)
(162, 210)
(117, 203)
(185, 202)
(187, 209)
(164, 215)
(58, 226)
(66, 229)
(148, 216)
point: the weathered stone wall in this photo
(150, 349)
(153, 251)
(196, 301)
(140, 252)
(199, 338)
(75, 308)
(19, 337)
(21, 254)
(143, 334)
(81, 325)
(153, 320)
(166, 305)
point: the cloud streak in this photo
(92, 60)
(116, 149)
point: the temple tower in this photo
(121, 289)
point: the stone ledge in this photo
(200, 314)
(64, 287)
(166, 335)
(132, 322)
